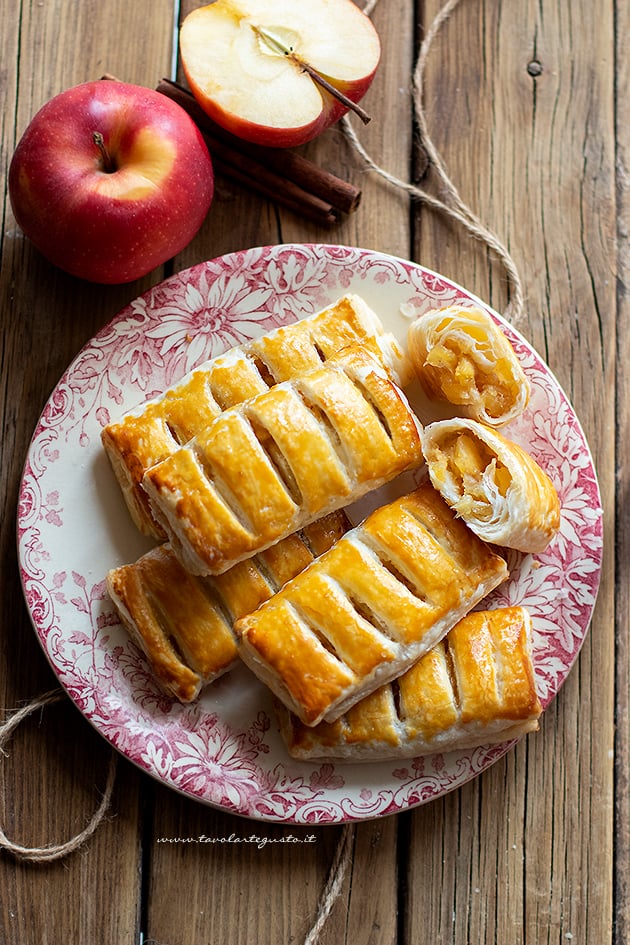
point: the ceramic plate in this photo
(73, 526)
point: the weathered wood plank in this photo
(622, 426)
(55, 773)
(533, 155)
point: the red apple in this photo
(250, 64)
(110, 180)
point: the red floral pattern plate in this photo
(72, 527)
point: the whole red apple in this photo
(252, 64)
(110, 180)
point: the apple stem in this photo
(109, 165)
(274, 43)
(325, 84)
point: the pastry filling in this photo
(365, 612)
(402, 579)
(464, 381)
(161, 619)
(177, 439)
(478, 476)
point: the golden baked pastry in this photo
(497, 488)
(156, 429)
(264, 469)
(476, 687)
(365, 611)
(184, 623)
(461, 355)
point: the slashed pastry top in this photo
(475, 687)
(264, 469)
(184, 623)
(156, 429)
(497, 488)
(461, 355)
(363, 613)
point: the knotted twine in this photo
(451, 206)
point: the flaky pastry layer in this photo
(363, 613)
(497, 488)
(475, 687)
(158, 428)
(266, 468)
(184, 623)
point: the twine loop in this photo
(45, 854)
(50, 852)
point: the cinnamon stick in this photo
(285, 164)
(267, 183)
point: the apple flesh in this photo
(110, 180)
(242, 60)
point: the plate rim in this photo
(183, 276)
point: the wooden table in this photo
(527, 104)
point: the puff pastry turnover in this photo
(476, 687)
(184, 623)
(497, 488)
(147, 435)
(364, 612)
(264, 469)
(461, 355)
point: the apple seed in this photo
(275, 44)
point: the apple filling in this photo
(475, 473)
(463, 380)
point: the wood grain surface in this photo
(528, 106)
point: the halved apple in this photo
(255, 66)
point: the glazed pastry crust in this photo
(264, 469)
(460, 355)
(184, 624)
(475, 687)
(364, 612)
(155, 430)
(496, 487)
(187, 640)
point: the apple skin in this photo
(224, 65)
(110, 226)
(291, 137)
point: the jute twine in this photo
(52, 851)
(452, 206)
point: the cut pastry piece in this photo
(461, 355)
(147, 435)
(476, 687)
(184, 623)
(498, 489)
(369, 608)
(264, 469)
